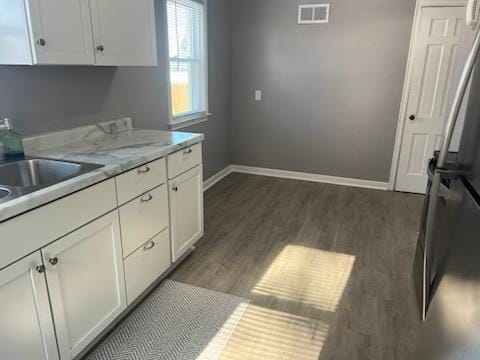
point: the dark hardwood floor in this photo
(328, 269)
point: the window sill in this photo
(186, 121)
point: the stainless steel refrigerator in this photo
(447, 261)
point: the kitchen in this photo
(232, 179)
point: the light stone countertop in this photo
(114, 144)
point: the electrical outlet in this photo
(258, 95)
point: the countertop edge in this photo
(16, 207)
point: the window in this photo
(187, 59)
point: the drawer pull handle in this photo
(53, 261)
(148, 246)
(187, 151)
(143, 170)
(146, 198)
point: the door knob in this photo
(53, 261)
(40, 269)
(412, 117)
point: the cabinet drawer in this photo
(184, 160)
(147, 264)
(29, 232)
(143, 218)
(140, 180)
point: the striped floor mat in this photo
(178, 322)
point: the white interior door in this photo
(86, 282)
(439, 52)
(61, 32)
(124, 32)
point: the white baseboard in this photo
(335, 180)
(367, 184)
(207, 184)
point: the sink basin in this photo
(36, 172)
(24, 176)
(4, 193)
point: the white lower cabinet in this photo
(186, 210)
(81, 271)
(26, 330)
(86, 282)
(147, 264)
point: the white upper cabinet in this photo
(124, 32)
(77, 32)
(61, 32)
(14, 36)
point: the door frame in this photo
(408, 81)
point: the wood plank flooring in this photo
(328, 269)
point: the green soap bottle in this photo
(11, 140)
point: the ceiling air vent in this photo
(313, 14)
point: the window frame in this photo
(189, 119)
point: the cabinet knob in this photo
(53, 261)
(40, 269)
(149, 245)
(412, 117)
(100, 48)
(175, 188)
(41, 42)
(146, 198)
(143, 170)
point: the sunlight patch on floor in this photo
(217, 344)
(310, 276)
(268, 334)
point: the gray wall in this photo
(331, 93)
(42, 99)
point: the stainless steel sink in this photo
(36, 172)
(24, 176)
(4, 193)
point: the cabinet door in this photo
(26, 330)
(86, 282)
(186, 210)
(124, 32)
(14, 35)
(61, 32)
